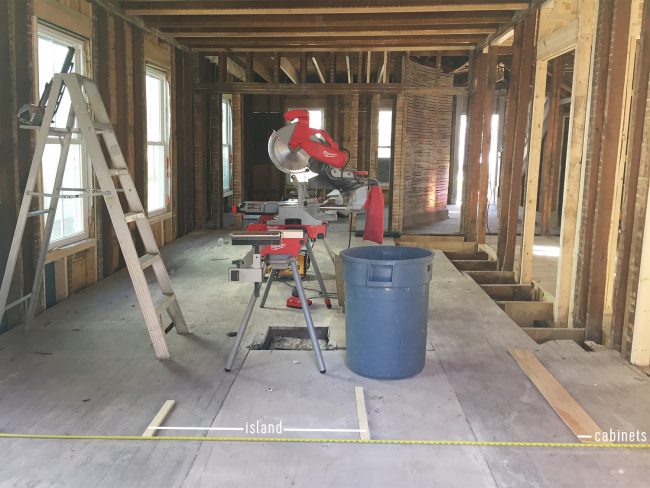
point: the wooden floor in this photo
(87, 367)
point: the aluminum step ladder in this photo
(93, 124)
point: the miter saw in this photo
(308, 154)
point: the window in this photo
(316, 118)
(226, 144)
(70, 220)
(157, 140)
(384, 145)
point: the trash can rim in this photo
(426, 254)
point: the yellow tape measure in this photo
(416, 442)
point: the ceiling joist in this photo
(264, 8)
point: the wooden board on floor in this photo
(466, 256)
(569, 410)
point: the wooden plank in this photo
(65, 17)
(375, 99)
(634, 193)
(576, 147)
(237, 141)
(545, 334)
(608, 163)
(362, 413)
(289, 69)
(318, 70)
(159, 418)
(488, 109)
(532, 175)
(492, 277)
(558, 42)
(508, 292)
(264, 9)
(525, 314)
(560, 400)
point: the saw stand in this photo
(94, 125)
(252, 269)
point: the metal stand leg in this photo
(305, 310)
(242, 327)
(272, 275)
(321, 283)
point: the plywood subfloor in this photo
(87, 367)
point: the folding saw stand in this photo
(86, 102)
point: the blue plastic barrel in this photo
(386, 309)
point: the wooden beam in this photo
(396, 192)
(559, 42)
(590, 193)
(250, 57)
(560, 400)
(552, 147)
(324, 88)
(223, 8)
(634, 189)
(488, 110)
(340, 22)
(347, 46)
(318, 70)
(472, 173)
(375, 99)
(576, 147)
(532, 175)
(604, 204)
(276, 68)
(518, 150)
(505, 173)
(289, 69)
(332, 68)
(238, 173)
(284, 33)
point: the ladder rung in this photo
(148, 259)
(18, 302)
(131, 216)
(100, 127)
(118, 171)
(54, 131)
(164, 302)
(36, 213)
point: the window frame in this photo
(385, 184)
(227, 101)
(165, 127)
(61, 36)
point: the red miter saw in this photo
(311, 154)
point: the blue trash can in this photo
(386, 309)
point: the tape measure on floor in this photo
(414, 442)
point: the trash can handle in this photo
(380, 275)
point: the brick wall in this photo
(428, 147)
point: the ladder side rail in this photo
(114, 207)
(37, 159)
(49, 223)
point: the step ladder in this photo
(93, 124)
